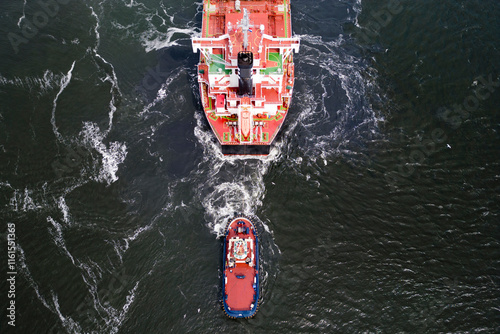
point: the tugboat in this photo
(240, 284)
(246, 71)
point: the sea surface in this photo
(378, 207)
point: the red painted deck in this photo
(240, 292)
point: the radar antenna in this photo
(245, 27)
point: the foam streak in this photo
(64, 83)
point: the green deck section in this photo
(276, 57)
(214, 67)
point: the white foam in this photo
(118, 249)
(112, 79)
(133, 3)
(112, 317)
(92, 274)
(126, 28)
(24, 14)
(244, 194)
(225, 200)
(65, 210)
(114, 87)
(121, 247)
(171, 17)
(112, 156)
(130, 299)
(40, 84)
(64, 83)
(69, 324)
(96, 29)
(56, 233)
(138, 232)
(22, 200)
(6, 184)
(154, 40)
(54, 307)
(13, 201)
(162, 93)
(352, 120)
(23, 268)
(357, 8)
(28, 203)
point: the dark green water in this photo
(378, 208)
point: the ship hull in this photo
(246, 149)
(246, 72)
(240, 282)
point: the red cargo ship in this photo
(246, 71)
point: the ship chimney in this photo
(245, 66)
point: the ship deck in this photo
(240, 292)
(218, 13)
(240, 289)
(262, 28)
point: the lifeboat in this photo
(240, 283)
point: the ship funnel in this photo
(245, 65)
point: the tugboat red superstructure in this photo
(240, 284)
(246, 71)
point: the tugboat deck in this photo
(239, 290)
(241, 269)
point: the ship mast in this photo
(245, 27)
